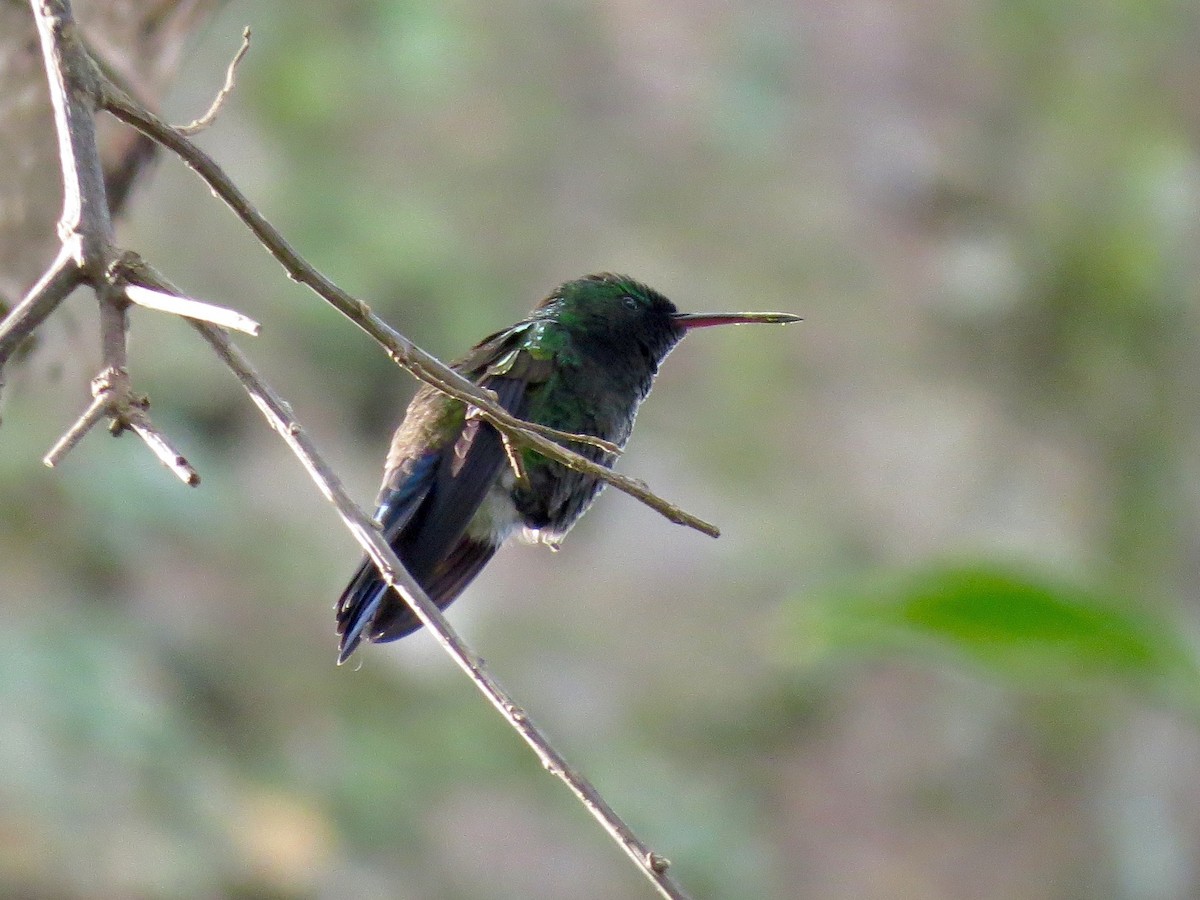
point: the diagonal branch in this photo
(73, 435)
(403, 351)
(62, 277)
(192, 309)
(277, 413)
(160, 446)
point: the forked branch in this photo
(87, 253)
(89, 256)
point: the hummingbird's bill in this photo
(704, 320)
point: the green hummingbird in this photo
(582, 361)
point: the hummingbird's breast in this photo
(585, 398)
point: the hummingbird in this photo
(582, 361)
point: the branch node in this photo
(107, 381)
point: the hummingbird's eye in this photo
(630, 302)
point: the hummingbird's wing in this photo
(470, 458)
(427, 503)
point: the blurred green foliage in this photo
(1032, 633)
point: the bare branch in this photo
(278, 414)
(403, 351)
(570, 437)
(115, 398)
(139, 423)
(87, 254)
(198, 125)
(43, 298)
(114, 332)
(74, 81)
(192, 309)
(85, 423)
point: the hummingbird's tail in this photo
(362, 612)
(434, 515)
(425, 520)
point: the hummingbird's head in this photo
(616, 315)
(622, 316)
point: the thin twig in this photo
(192, 309)
(140, 424)
(278, 414)
(85, 423)
(198, 125)
(403, 351)
(567, 437)
(62, 277)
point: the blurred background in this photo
(946, 644)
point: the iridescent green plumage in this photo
(583, 361)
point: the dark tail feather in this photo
(361, 610)
(360, 602)
(357, 608)
(425, 518)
